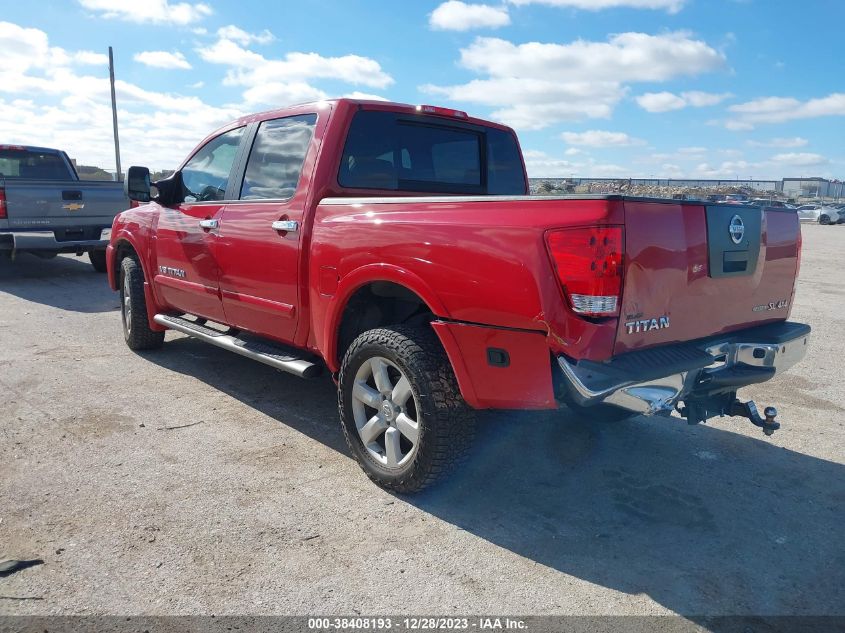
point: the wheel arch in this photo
(122, 247)
(374, 296)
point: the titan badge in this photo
(647, 325)
(171, 272)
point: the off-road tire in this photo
(98, 260)
(446, 422)
(136, 329)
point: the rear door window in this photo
(275, 161)
(387, 150)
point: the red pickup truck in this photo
(396, 246)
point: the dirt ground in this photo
(258, 508)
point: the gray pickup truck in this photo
(45, 209)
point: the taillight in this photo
(3, 213)
(589, 267)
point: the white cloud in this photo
(286, 80)
(783, 109)
(672, 6)
(152, 11)
(282, 93)
(163, 59)
(459, 16)
(45, 101)
(600, 138)
(698, 99)
(240, 36)
(667, 101)
(794, 141)
(532, 104)
(690, 151)
(355, 94)
(536, 84)
(90, 58)
(625, 57)
(800, 159)
(541, 165)
(774, 168)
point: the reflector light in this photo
(429, 109)
(588, 262)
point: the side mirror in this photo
(169, 191)
(137, 184)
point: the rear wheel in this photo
(98, 260)
(133, 308)
(400, 407)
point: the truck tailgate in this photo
(688, 272)
(31, 203)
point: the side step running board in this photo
(267, 353)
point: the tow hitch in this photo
(749, 410)
(700, 410)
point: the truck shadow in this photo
(703, 520)
(64, 282)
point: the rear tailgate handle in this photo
(71, 195)
(289, 226)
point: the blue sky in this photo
(671, 88)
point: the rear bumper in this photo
(653, 381)
(47, 241)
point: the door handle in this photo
(289, 226)
(207, 225)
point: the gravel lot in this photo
(258, 508)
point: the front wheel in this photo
(823, 219)
(98, 260)
(133, 308)
(400, 408)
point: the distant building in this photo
(812, 188)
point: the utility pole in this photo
(114, 116)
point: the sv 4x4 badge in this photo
(647, 325)
(772, 305)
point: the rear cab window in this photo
(18, 162)
(404, 152)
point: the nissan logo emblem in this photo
(736, 229)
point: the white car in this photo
(821, 214)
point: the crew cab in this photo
(396, 247)
(45, 209)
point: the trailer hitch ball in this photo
(749, 411)
(770, 413)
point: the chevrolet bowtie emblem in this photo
(73, 206)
